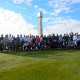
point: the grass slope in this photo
(40, 65)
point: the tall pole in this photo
(40, 31)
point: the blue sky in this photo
(20, 16)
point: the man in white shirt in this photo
(10, 38)
(75, 38)
(10, 43)
(25, 38)
(21, 38)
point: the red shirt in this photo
(37, 40)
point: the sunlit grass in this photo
(40, 65)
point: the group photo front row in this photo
(31, 42)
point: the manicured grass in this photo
(40, 65)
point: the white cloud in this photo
(42, 10)
(11, 22)
(62, 5)
(24, 8)
(36, 6)
(46, 19)
(62, 26)
(74, 1)
(18, 1)
(28, 2)
(77, 9)
(53, 14)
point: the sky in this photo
(20, 16)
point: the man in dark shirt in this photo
(1, 42)
(53, 38)
(57, 40)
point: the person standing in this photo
(1, 42)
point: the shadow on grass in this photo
(42, 54)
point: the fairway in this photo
(40, 65)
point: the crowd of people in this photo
(30, 42)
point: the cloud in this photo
(59, 5)
(42, 10)
(14, 23)
(18, 1)
(77, 9)
(46, 19)
(62, 5)
(28, 2)
(35, 6)
(74, 1)
(62, 26)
